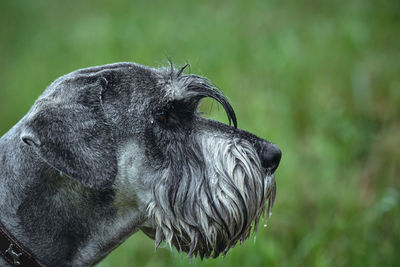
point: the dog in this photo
(110, 150)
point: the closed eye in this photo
(161, 118)
(175, 114)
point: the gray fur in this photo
(110, 150)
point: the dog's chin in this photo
(182, 245)
(201, 248)
(213, 239)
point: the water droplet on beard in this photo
(151, 121)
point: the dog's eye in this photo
(174, 115)
(168, 119)
(161, 117)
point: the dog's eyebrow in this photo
(198, 87)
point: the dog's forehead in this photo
(124, 72)
(141, 81)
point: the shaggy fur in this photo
(110, 150)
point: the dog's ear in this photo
(67, 128)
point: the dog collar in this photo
(14, 253)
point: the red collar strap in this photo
(14, 253)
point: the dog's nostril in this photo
(270, 157)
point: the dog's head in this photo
(200, 185)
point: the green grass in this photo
(319, 78)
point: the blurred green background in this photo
(319, 78)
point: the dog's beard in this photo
(205, 209)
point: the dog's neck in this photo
(58, 219)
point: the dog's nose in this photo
(270, 156)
